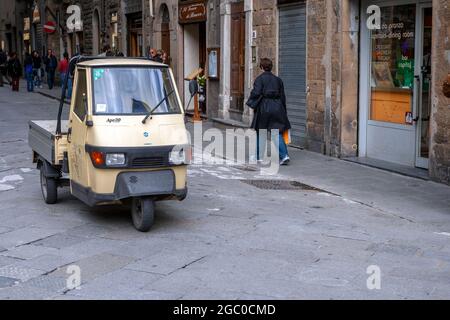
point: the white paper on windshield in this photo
(101, 107)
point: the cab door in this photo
(78, 158)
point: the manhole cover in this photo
(281, 185)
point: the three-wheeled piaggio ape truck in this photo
(124, 142)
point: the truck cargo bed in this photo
(41, 137)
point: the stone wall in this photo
(265, 25)
(332, 76)
(323, 76)
(440, 118)
(213, 41)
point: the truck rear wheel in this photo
(143, 213)
(49, 189)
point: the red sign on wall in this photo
(50, 27)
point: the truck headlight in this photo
(180, 155)
(115, 159)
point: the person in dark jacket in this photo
(3, 60)
(51, 63)
(268, 100)
(37, 67)
(14, 70)
(28, 62)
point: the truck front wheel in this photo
(143, 213)
(49, 189)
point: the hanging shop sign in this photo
(192, 12)
(36, 15)
(26, 24)
(50, 27)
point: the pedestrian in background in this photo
(37, 69)
(51, 63)
(153, 55)
(3, 60)
(63, 68)
(163, 55)
(28, 62)
(14, 70)
(268, 100)
(107, 52)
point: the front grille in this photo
(149, 162)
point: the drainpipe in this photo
(327, 63)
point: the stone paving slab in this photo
(97, 265)
(28, 251)
(168, 261)
(20, 273)
(61, 240)
(7, 282)
(25, 235)
(228, 239)
(25, 293)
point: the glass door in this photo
(389, 72)
(423, 86)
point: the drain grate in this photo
(281, 185)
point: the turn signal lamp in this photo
(98, 158)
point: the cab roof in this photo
(119, 61)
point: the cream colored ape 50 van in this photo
(124, 141)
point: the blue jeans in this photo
(69, 84)
(30, 82)
(50, 78)
(261, 142)
(282, 148)
(37, 77)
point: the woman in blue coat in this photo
(268, 100)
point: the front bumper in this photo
(158, 184)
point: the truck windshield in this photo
(133, 91)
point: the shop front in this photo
(192, 16)
(395, 82)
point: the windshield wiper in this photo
(157, 106)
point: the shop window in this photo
(392, 66)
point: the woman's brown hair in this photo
(266, 64)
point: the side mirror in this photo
(193, 87)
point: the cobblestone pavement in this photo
(229, 239)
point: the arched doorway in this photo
(165, 29)
(95, 32)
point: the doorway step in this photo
(391, 167)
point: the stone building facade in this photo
(332, 64)
(342, 101)
(440, 127)
(336, 108)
